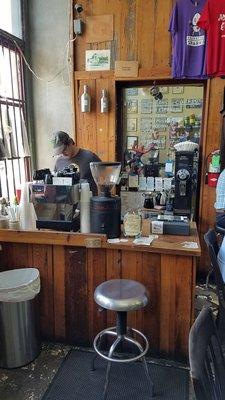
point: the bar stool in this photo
(121, 295)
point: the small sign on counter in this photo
(157, 227)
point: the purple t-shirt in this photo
(188, 40)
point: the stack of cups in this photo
(27, 212)
(85, 196)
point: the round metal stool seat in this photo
(121, 295)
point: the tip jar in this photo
(132, 223)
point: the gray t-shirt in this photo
(82, 159)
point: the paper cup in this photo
(15, 225)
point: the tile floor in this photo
(30, 382)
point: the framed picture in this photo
(176, 105)
(132, 106)
(131, 124)
(160, 123)
(97, 60)
(132, 142)
(131, 91)
(177, 89)
(164, 89)
(162, 106)
(146, 106)
(146, 124)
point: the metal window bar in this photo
(15, 168)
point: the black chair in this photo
(207, 362)
(213, 248)
(219, 229)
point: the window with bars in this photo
(14, 146)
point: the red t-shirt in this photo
(213, 21)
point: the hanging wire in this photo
(66, 52)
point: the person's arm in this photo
(220, 193)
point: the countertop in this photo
(167, 244)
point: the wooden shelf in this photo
(143, 75)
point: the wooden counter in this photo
(71, 268)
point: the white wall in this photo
(49, 34)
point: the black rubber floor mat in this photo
(76, 381)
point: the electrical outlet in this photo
(78, 26)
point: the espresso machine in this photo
(186, 171)
(105, 208)
(55, 200)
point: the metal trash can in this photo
(19, 317)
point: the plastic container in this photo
(4, 222)
(15, 225)
(19, 317)
(132, 223)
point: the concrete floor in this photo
(30, 382)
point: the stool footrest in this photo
(120, 339)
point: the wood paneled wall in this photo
(140, 33)
(70, 274)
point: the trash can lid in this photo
(19, 284)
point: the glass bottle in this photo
(104, 103)
(85, 100)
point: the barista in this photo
(68, 153)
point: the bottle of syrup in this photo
(104, 102)
(85, 101)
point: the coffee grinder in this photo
(186, 171)
(105, 208)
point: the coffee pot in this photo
(149, 200)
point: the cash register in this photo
(55, 199)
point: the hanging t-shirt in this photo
(188, 40)
(213, 21)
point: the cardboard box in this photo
(126, 69)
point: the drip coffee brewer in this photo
(106, 208)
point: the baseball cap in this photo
(60, 141)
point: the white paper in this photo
(167, 183)
(117, 240)
(113, 240)
(158, 184)
(190, 245)
(150, 183)
(169, 166)
(142, 183)
(145, 241)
